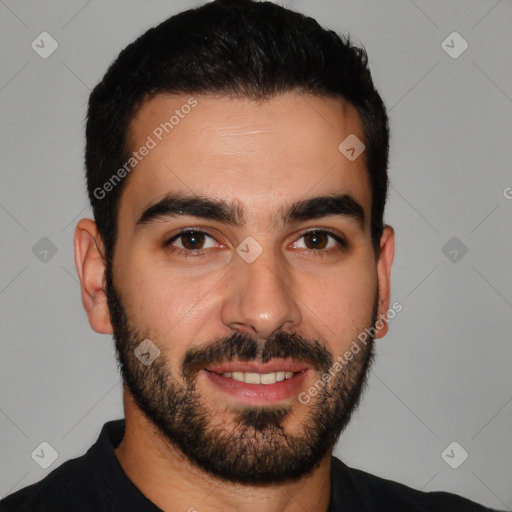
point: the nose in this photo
(259, 298)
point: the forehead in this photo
(262, 155)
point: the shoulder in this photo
(62, 489)
(376, 493)
(80, 484)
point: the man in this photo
(237, 168)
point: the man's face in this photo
(266, 298)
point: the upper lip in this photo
(275, 365)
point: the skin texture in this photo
(264, 156)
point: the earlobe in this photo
(387, 252)
(90, 265)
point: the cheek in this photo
(164, 303)
(345, 301)
(172, 305)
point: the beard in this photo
(256, 449)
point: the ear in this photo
(90, 265)
(387, 252)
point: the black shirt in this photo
(96, 482)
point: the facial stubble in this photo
(254, 448)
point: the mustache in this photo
(244, 348)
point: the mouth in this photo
(258, 378)
(252, 383)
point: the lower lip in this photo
(258, 393)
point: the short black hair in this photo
(237, 48)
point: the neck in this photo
(168, 479)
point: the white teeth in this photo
(267, 378)
(240, 376)
(252, 378)
(259, 378)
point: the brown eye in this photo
(192, 240)
(316, 240)
(322, 241)
(189, 241)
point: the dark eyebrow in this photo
(175, 205)
(231, 213)
(343, 205)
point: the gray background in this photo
(442, 373)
